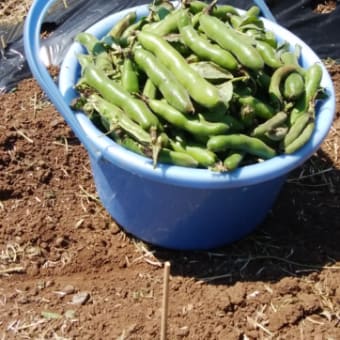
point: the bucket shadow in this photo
(300, 234)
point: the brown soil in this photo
(67, 271)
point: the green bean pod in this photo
(227, 38)
(90, 42)
(277, 134)
(234, 124)
(253, 11)
(268, 54)
(260, 108)
(313, 76)
(85, 60)
(295, 130)
(289, 58)
(104, 62)
(177, 158)
(174, 92)
(149, 89)
(301, 140)
(199, 89)
(130, 81)
(180, 120)
(132, 145)
(119, 28)
(202, 47)
(277, 78)
(203, 156)
(218, 11)
(95, 49)
(114, 93)
(130, 30)
(241, 142)
(235, 20)
(233, 161)
(166, 26)
(256, 34)
(111, 116)
(270, 38)
(293, 86)
(270, 124)
(301, 106)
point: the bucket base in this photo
(182, 218)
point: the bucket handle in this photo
(32, 29)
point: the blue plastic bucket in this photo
(171, 206)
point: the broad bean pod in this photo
(177, 158)
(221, 11)
(130, 80)
(232, 161)
(260, 108)
(278, 133)
(173, 91)
(278, 119)
(199, 89)
(268, 54)
(112, 116)
(301, 140)
(132, 145)
(203, 156)
(90, 42)
(113, 92)
(149, 90)
(118, 29)
(180, 120)
(313, 76)
(242, 142)
(166, 26)
(202, 47)
(297, 127)
(276, 81)
(294, 86)
(227, 38)
(96, 49)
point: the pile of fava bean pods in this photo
(198, 85)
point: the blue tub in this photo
(171, 206)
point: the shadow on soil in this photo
(300, 234)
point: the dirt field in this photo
(67, 271)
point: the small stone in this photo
(114, 228)
(60, 241)
(44, 245)
(183, 331)
(41, 285)
(68, 289)
(80, 298)
(49, 283)
(23, 300)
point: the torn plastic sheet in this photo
(319, 31)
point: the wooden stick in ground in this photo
(165, 300)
